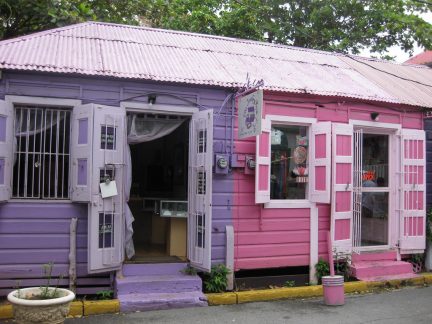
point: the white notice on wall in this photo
(108, 189)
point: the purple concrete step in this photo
(138, 269)
(374, 256)
(158, 284)
(367, 269)
(390, 277)
(145, 302)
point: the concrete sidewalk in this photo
(409, 305)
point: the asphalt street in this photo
(408, 305)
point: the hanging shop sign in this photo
(250, 114)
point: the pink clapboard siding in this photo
(265, 237)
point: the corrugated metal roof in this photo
(410, 84)
(422, 58)
(122, 51)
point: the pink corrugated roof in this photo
(104, 49)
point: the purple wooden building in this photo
(130, 133)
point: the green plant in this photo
(105, 294)
(188, 270)
(321, 269)
(289, 283)
(216, 280)
(342, 264)
(46, 291)
(429, 226)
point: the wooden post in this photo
(72, 254)
(229, 256)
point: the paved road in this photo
(409, 305)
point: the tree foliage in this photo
(336, 25)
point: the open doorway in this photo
(159, 191)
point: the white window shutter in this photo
(262, 163)
(106, 215)
(7, 138)
(342, 187)
(412, 197)
(319, 163)
(200, 189)
(81, 152)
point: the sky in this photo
(400, 55)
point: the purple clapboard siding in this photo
(44, 228)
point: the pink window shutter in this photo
(319, 163)
(412, 198)
(262, 169)
(342, 187)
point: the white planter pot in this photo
(27, 310)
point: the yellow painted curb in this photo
(355, 286)
(280, 293)
(6, 311)
(76, 309)
(311, 291)
(101, 307)
(222, 299)
(427, 278)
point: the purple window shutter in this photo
(81, 152)
(105, 221)
(6, 155)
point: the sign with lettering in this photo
(250, 114)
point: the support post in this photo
(313, 243)
(229, 257)
(72, 254)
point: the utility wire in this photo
(386, 72)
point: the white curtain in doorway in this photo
(146, 129)
(140, 130)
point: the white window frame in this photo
(291, 121)
(47, 102)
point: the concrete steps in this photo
(158, 286)
(377, 266)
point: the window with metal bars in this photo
(42, 152)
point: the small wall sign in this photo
(250, 114)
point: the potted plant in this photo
(43, 304)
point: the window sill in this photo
(288, 204)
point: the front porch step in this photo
(158, 284)
(402, 276)
(374, 256)
(145, 269)
(370, 270)
(146, 302)
(142, 287)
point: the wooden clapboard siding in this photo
(265, 237)
(35, 236)
(428, 129)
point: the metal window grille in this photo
(41, 161)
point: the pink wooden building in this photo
(351, 167)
